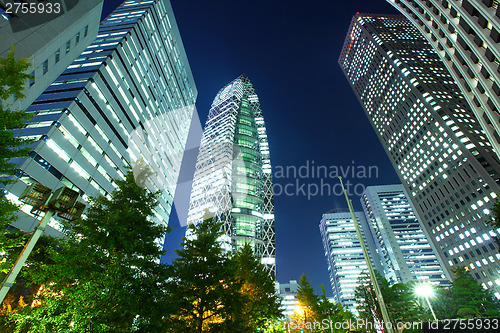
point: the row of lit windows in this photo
(57, 55)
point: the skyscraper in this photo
(344, 254)
(402, 244)
(465, 35)
(50, 34)
(128, 98)
(288, 296)
(233, 177)
(432, 138)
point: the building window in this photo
(77, 39)
(58, 55)
(45, 66)
(86, 31)
(68, 46)
(32, 78)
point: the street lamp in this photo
(61, 201)
(425, 290)
(301, 311)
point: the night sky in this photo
(289, 49)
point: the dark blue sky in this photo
(289, 50)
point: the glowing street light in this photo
(301, 310)
(61, 201)
(425, 290)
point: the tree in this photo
(261, 304)
(399, 300)
(469, 299)
(334, 313)
(12, 79)
(307, 311)
(203, 293)
(105, 275)
(368, 307)
(401, 303)
(494, 219)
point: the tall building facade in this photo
(344, 255)
(288, 295)
(50, 34)
(126, 101)
(434, 141)
(465, 35)
(233, 177)
(402, 243)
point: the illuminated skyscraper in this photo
(402, 244)
(233, 177)
(465, 35)
(344, 254)
(129, 97)
(432, 138)
(288, 295)
(50, 34)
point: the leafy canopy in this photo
(105, 276)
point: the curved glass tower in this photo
(233, 177)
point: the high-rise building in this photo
(50, 34)
(288, 295)
(465, 35)
(233, 177)
(127, 100)
(344, 255)
(402, 243)
(434, 141)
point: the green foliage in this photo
(368, 307)
(399, 300)
(203, 293)
(467, 293)
(464, 298)
(334, 313)
(494, 219)
(213, 291)
(9, 241)
(12, 79)
(104, 276)
(308, 308)
(12, 76)
(401, 303)
(261, 304)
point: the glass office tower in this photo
(344, 254)
(50, 38)
(127, 99)
(434, 141)
(402, 243)
(465, 35)
(233, 179)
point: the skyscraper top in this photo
(233, 171)
(432, 137)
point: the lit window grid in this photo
(343, 254)
(107, 168)
(397, 231)
(443, 22)
(231, 178)
(454, 155)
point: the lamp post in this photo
(301, 311)
(425, 290)
(61, 201)
(376, 287)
